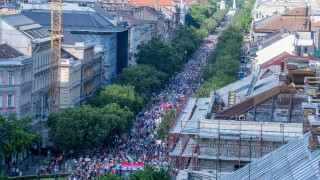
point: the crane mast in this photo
(55, 55)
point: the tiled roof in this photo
(299, 11)
(281, 58)
(142, 2)
(152, 2)
(128, 17)
(276, 60)
(7, 51)
(165, 3)
(292, 23)
(191, 1)
(295, 24)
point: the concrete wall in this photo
(284, 45)
(109, 44)
(15, 38)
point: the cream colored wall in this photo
(284, 45)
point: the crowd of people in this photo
(141, 146)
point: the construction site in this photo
(241, 122)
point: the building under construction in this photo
(239, 123)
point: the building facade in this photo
(15, 82)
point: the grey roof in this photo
(291, 161)
(75, 20)
(26, 26)
(266, 20)
(6, 51)
(258, 82)
(70, 39)
(16, 20)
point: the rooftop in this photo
(26, 26)
(291, 161)
(287, 20)
(152, 2)
(70, 39)
(75, 20)
(7, 51)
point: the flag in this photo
(126, 164)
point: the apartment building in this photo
(82, 69)
(15, 81)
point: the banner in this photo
(126, 164)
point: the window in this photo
(236, 167)
(10, 78)
(0, 100)
(10, 100)
(0, 77)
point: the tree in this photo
(118, 119)
(124, 95)
(78, 128)
(18, 134)
(209, 24)
(159, 54)
(144, 78)
(151, 173)
(214, 83)
(164, 128)
(198, 13)
(111, 177)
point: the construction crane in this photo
(55, 55)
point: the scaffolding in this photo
(228, 140)
(207, 143)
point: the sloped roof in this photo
(17, 20)
(128, 17)
(277, 22)
(191, 1)
(299, 11)
(281, 58)
(165, 3)
(7, 51)
(75, 20)
(66, 55)
(152, 2)
(291, 161)
(26, 26)
(70, 39)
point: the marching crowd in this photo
(141, 146)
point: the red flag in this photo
(126, 164)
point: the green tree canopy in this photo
(163, 131)
(124, 95)
(144, 78)
(111, 177)
(159, 54)
(199, 12)
(214, 83)
(77, 128)
(118, 119)
(17, 133)
(151, 173)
